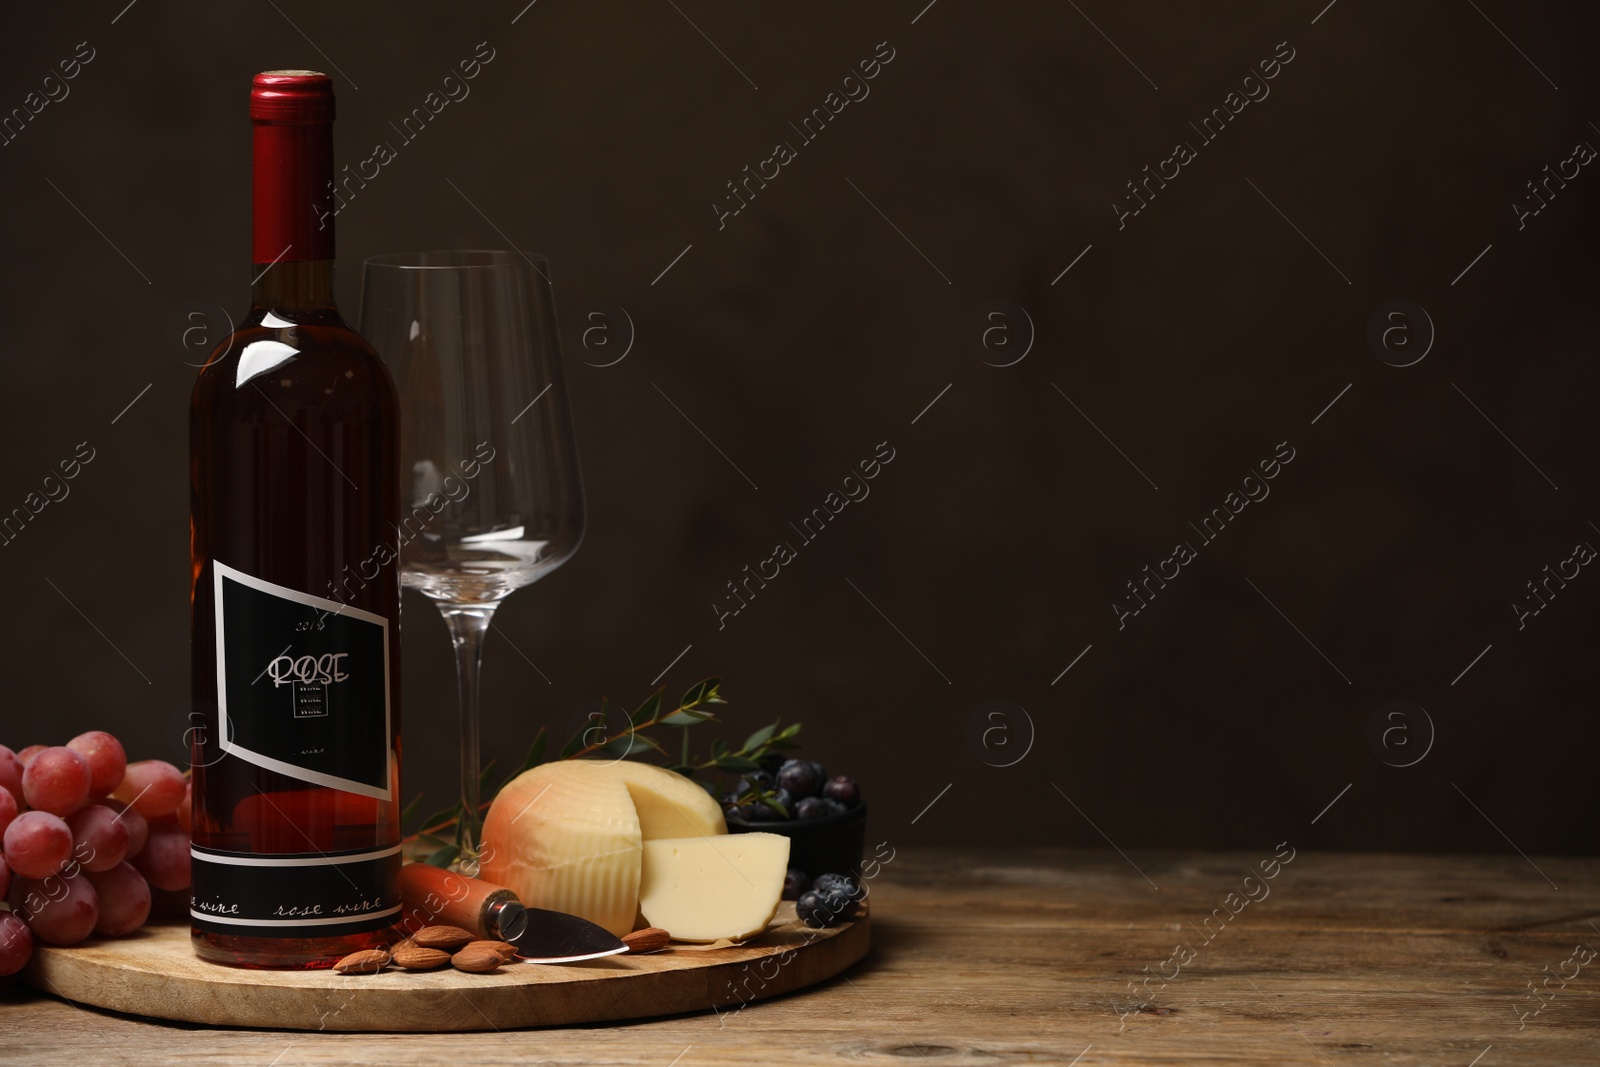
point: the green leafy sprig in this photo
(442, 832)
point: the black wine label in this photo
(314, 894)
(302, 684)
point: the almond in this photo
(506, 950)
(367, 961)
(415, 957)
(448, 938)
(650, 939)
(477, 958)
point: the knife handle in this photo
(435, 895)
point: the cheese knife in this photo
(435, 895)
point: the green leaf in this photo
(484, 775)
(685, 717)
(683, 769)
(444, 817)
(430, 839)
(443, 857)
(410, 809)
(789, 732)
(736, 764)
(623, 747)
(759, 738)
(777, 744)
(702, 693)
(573, 745)
(719, 748)
(772, 803)
(534, 757)
(649, 709)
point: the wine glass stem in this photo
(468, 623)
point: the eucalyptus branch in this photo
(687, 713)
(691, 710)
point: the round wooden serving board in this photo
(155, 972)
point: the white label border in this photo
(335, 921)
(219, 572)
(239, 859)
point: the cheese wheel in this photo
(669, 804)
(565, 836)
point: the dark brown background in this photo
(809, 330)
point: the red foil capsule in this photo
(292, 114)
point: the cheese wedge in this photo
(707, 888)
(669, 805)
(565, 836)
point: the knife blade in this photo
(433, 894)
(543, 936)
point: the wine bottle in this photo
(294, 497)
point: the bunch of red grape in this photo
(84, 835)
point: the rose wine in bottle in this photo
(294, 493)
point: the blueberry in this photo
(840, 884)
(822, 909)
(822, 775)
(795, 883)
(814, 911)
(811, 808)
(801, 777)
(807, 905)
(844, 789)
(819, 808)
(839, 905)
(757, 811)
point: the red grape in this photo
(27, 754)
(16, 944)
(165, 858)
(138, 826)
(153, 786)
(37, 844)
(8, 809)
(185, 812)
(11, 772)
(99, 837)
(124, 900)
(107, 761)
(59, 911)
(5, 876)
(57, 781)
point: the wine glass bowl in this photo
(492, 497)
(489, 473)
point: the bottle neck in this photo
(293, 209)
(297, 286)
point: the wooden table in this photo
(1027, 957)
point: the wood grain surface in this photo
(1027, 956)
(156, 973)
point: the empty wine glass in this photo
(491, 495)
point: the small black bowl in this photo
(832, 844)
